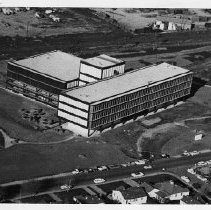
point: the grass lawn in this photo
(16, 127)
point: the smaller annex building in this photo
(44, 76)
(100, 67)
(110, 101)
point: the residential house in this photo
(172, 190)
(133, 195)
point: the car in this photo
(147, 167)
(194, 153)
(191, 171)
(164, 155)
(76, 171)
(65, 187)
(124, 164)
(163, 169)
(186, 153)
(208, 161)
(99, 180)
(140, 162)
(137, 175)
(102, 168)
(185, 178)
(201, 163)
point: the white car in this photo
(185, 178)
(201, 163)
(147, 167)
(186, 153)
(76, 171)
(194, 153)
(102, 168)
(65, 187)
(140, 162)
(190, 170)
(99, 180)
(137, 175)
(208, 161)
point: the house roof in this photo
(148, 188)
(170, 187)
(190, 200)
(101, 90)
(58, 64)
(162, 194)
(102, 61)
(133, 192)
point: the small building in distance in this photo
(115, 100)
(44, 76)
(132, 195)
(100, 67)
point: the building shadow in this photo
(196, 85)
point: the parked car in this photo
(76, 171)
(208, 161)
(140, 162)
(99, 180)
(191, 171)
(147, 167)
(164, 155)
(186, 153)
(66, 187)
(201, 163)
(137, 175)
(102, 168)
(124, 165)
(194, 153)
(185, 178)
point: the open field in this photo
(73, 20)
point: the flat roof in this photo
(120, 84)
(58, 64)
(103, 61)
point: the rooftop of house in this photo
(148, 188)
(102, 61)
(57, 64)
(133, 192)
(170, 187)
(120, 84)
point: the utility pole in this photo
(27, 29)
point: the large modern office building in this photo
(44, 76)
(104, 103)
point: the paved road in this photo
(26, 188)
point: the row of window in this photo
(101, 120)
(25, 88)
(132, 103)
(143, 92)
